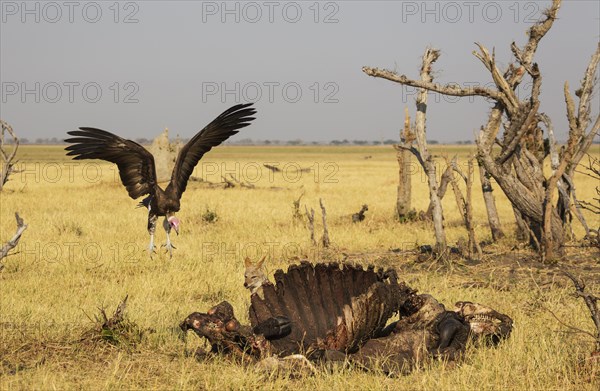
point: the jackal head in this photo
(254, 276)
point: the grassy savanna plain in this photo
(85, 248)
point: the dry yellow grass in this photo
(85, 248)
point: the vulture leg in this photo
(168, 246)
(151, 228)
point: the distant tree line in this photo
(249, 141)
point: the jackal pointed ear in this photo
(247, 262)
(262, 260)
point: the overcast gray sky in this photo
(136, 67)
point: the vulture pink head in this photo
(174, 223)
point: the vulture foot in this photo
(169, 248)
(151, 247)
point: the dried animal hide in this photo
(330, 307)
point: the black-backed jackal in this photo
(254, 276)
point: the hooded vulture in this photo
(137, 170)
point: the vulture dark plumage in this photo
(136, 164)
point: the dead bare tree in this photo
(403, 199)
(591, 301)
(517, 169)
(325, 238)
(8, 158)
(578, 123)
(444, 182)
(490, 204)
(593, 167)
(465, 205)
(460, 199)
(577, 146)
(593, 171)
(296, 215)
(420, 151)
(12, 243)
(310, 224)
(518, 166)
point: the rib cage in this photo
(330, 306)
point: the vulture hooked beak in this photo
(174, 223)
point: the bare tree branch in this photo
(311, 223)
(554, 158)
(585, 91)
(12, 243)
(466, 206)
(519, 131)
(403, 197)
(453, 90)
(576, 207)
(576, 329)
(8, 158)
(591, 207)
(490, 204)
(592, 303)
(594, 168)
(325, 238)
(535, 34)
(411, 149)
(443, 186)
(507, 96)
(570, 108)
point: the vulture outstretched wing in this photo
(219, 130)
(136, 164)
